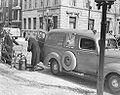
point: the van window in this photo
(55, 39)
(88, 44)
(70, 40)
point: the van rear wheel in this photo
(55, 68)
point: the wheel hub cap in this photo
(67, 61)
(55, 67)
(115, 83)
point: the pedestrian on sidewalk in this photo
(33, 47)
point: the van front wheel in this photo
(113, 83)
(55, 69)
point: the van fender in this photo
(111, 68)
(51, 56)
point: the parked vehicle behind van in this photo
(78, 51)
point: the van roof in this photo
(88, 33)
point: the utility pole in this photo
(10, 13)
(100, 77)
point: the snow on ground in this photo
(14, 82)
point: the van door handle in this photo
(78, 53)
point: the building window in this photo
(35, 3)
(107, 26)
(55, 2)
(20, 13)
(119, 28)
(34, 23)
(24, 23)
(1, 4)
(25, 4)
(91, 24)
(0, 16)
(55, 22)
(41, 3)
(73, 2)
(48, 2)
(30, 3)
(15, 16)
(15, 3)
(72, 22)
(41, 22)
(29, 23)
(86, 3)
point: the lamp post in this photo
(106, 4)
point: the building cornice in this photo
(41, 9)
(86, 9)
(59, 6)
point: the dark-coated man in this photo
(33, 46)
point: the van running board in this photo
(83, 75)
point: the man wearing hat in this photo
(33, 46)
(8, 44)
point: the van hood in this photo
(112, 53)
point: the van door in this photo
(87, 57)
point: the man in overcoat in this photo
(33, 46)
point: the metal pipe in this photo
(100, 78)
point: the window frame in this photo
(79, 43)
(55, 22)
(56, 2)
(29, 23)
(55, 42)
(25, 4)
(72, 22)
(35, 4)
(41, 22)
(91, 24)
(34, 22)
(65, 40)
(25, 22)
(30, 3)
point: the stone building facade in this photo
(76, 14)
(14, 13)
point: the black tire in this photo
(55, 68)
(113, 84)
